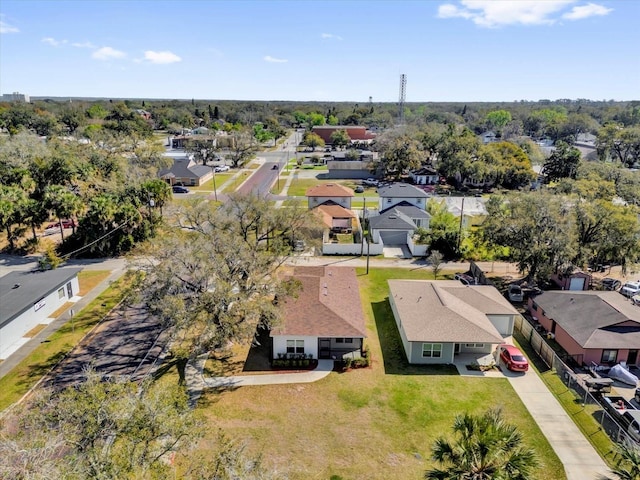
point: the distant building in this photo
(356, 134)
(16, 97)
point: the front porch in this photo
(339, 348)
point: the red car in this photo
(65, 224)
(513, 358)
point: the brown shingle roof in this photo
(328, 304)
(329, 212)
(448, 311)
(329, 190)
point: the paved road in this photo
(126, 344)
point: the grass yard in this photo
(376, 423)
(299, 186)
(208, 185)
(25, 375)
(89, 279)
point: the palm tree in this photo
(486, 448)
(628, 463)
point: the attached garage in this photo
(394, 237)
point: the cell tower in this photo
(403, 96)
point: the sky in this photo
(322, 50)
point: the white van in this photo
(630, 289)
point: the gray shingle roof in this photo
(401, 190)
(448, 311)
(594, 319)
(407, 209)
(391, 220)
(33, 286)
(185, 168)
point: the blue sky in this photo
(450, 50)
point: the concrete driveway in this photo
(580, 459)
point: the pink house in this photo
(602, 327)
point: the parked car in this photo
(299, 246)
(513, 358)
(221, 168)
(630, 289)
(515, 294)
(65, 224)
(359, 189)
(611, 284)
(370, 182)
(465, 278)
(179, 189)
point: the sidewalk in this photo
(196, 382)
(580, 459)
(25, 350)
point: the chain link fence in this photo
(573, 381)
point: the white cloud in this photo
(107, 53)
(83, 45)
(161, 57)
(585, 11)
(331, 35)
(53, 42)
(491, 13)
(271, 59)
(6, 28)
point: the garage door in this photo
(394, 237)
(577, 283)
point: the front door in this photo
(69, 290)
(324, 348)
(456, 349)
(632, 358)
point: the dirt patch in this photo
(35, 330)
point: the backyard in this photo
(378, 422)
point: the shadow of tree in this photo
(258, 357)
(393, 354)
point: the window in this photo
(431, 350)
(339, 340)
(348, 340)
(609, 356)
(388, 200)
(474, 345)
(295, 346)
(61, 293)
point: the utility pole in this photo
(402, 98)
(215, 191)
(460, 228)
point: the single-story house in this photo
(425, 176)
(395, 193)
(186, 171)
(329, 192)
(472, 209)
(600, 327)
(441, 318)
(324, 319)
(395, 225)
(28, 298)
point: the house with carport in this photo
(593, 327)
(27, 299)
(440, 319)
(324, 318)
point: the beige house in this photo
(330, 192)
(442, 318)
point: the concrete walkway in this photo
(580, 459)
(197, 382)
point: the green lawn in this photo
(24, 376)
(208, 185)
(232, 185)
(376, 423)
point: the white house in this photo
(324, 319)
(28, 298)
(395, 193)
(425, 176)
(329, 192)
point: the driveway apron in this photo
(580, 459)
